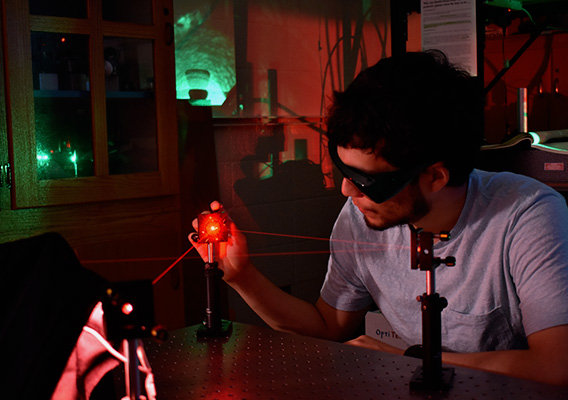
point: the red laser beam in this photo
(326, 239)
(171, 266)
(119, 260)
(157, 279)
(286, 235)
(295, 253)
(125, 260)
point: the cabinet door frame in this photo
(27, 190)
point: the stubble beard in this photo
(417, 210)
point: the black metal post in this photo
(431, 376)
(214, 325)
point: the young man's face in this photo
(407, 207)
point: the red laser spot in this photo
(212, 228)
(127, 308)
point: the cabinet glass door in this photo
(135, 11)
(91, 107)
(59, 8)
(129, 86)
(62, 105)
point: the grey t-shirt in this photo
(510, 278)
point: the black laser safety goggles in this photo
(378, 187)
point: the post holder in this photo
(431, 375)
(213, 325)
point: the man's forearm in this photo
(278, 309)
(517, 363)
(544, 361)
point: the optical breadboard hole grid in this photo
(263, 364)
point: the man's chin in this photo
(382, 226)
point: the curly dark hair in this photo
(412, 108)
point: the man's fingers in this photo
(215, 206)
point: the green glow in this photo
(559, 148)
(535, 138)
(74, 161)
(551, 148)
(512, 4)
(266, 170)
(42, 157)
(199, 46)
(216, 96)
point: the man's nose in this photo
(348, 189)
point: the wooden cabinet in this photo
(88, 132)
(90, 92)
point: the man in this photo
(405, 135)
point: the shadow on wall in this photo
(292, 214)
(270, 189)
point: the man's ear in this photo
(436, 176)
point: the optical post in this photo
(431, 375)
(129, 315)
(212, 229)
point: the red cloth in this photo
(89, 362)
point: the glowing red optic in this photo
(127, 308)
(212, 228)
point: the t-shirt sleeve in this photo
(343, 288)
(539, 261)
